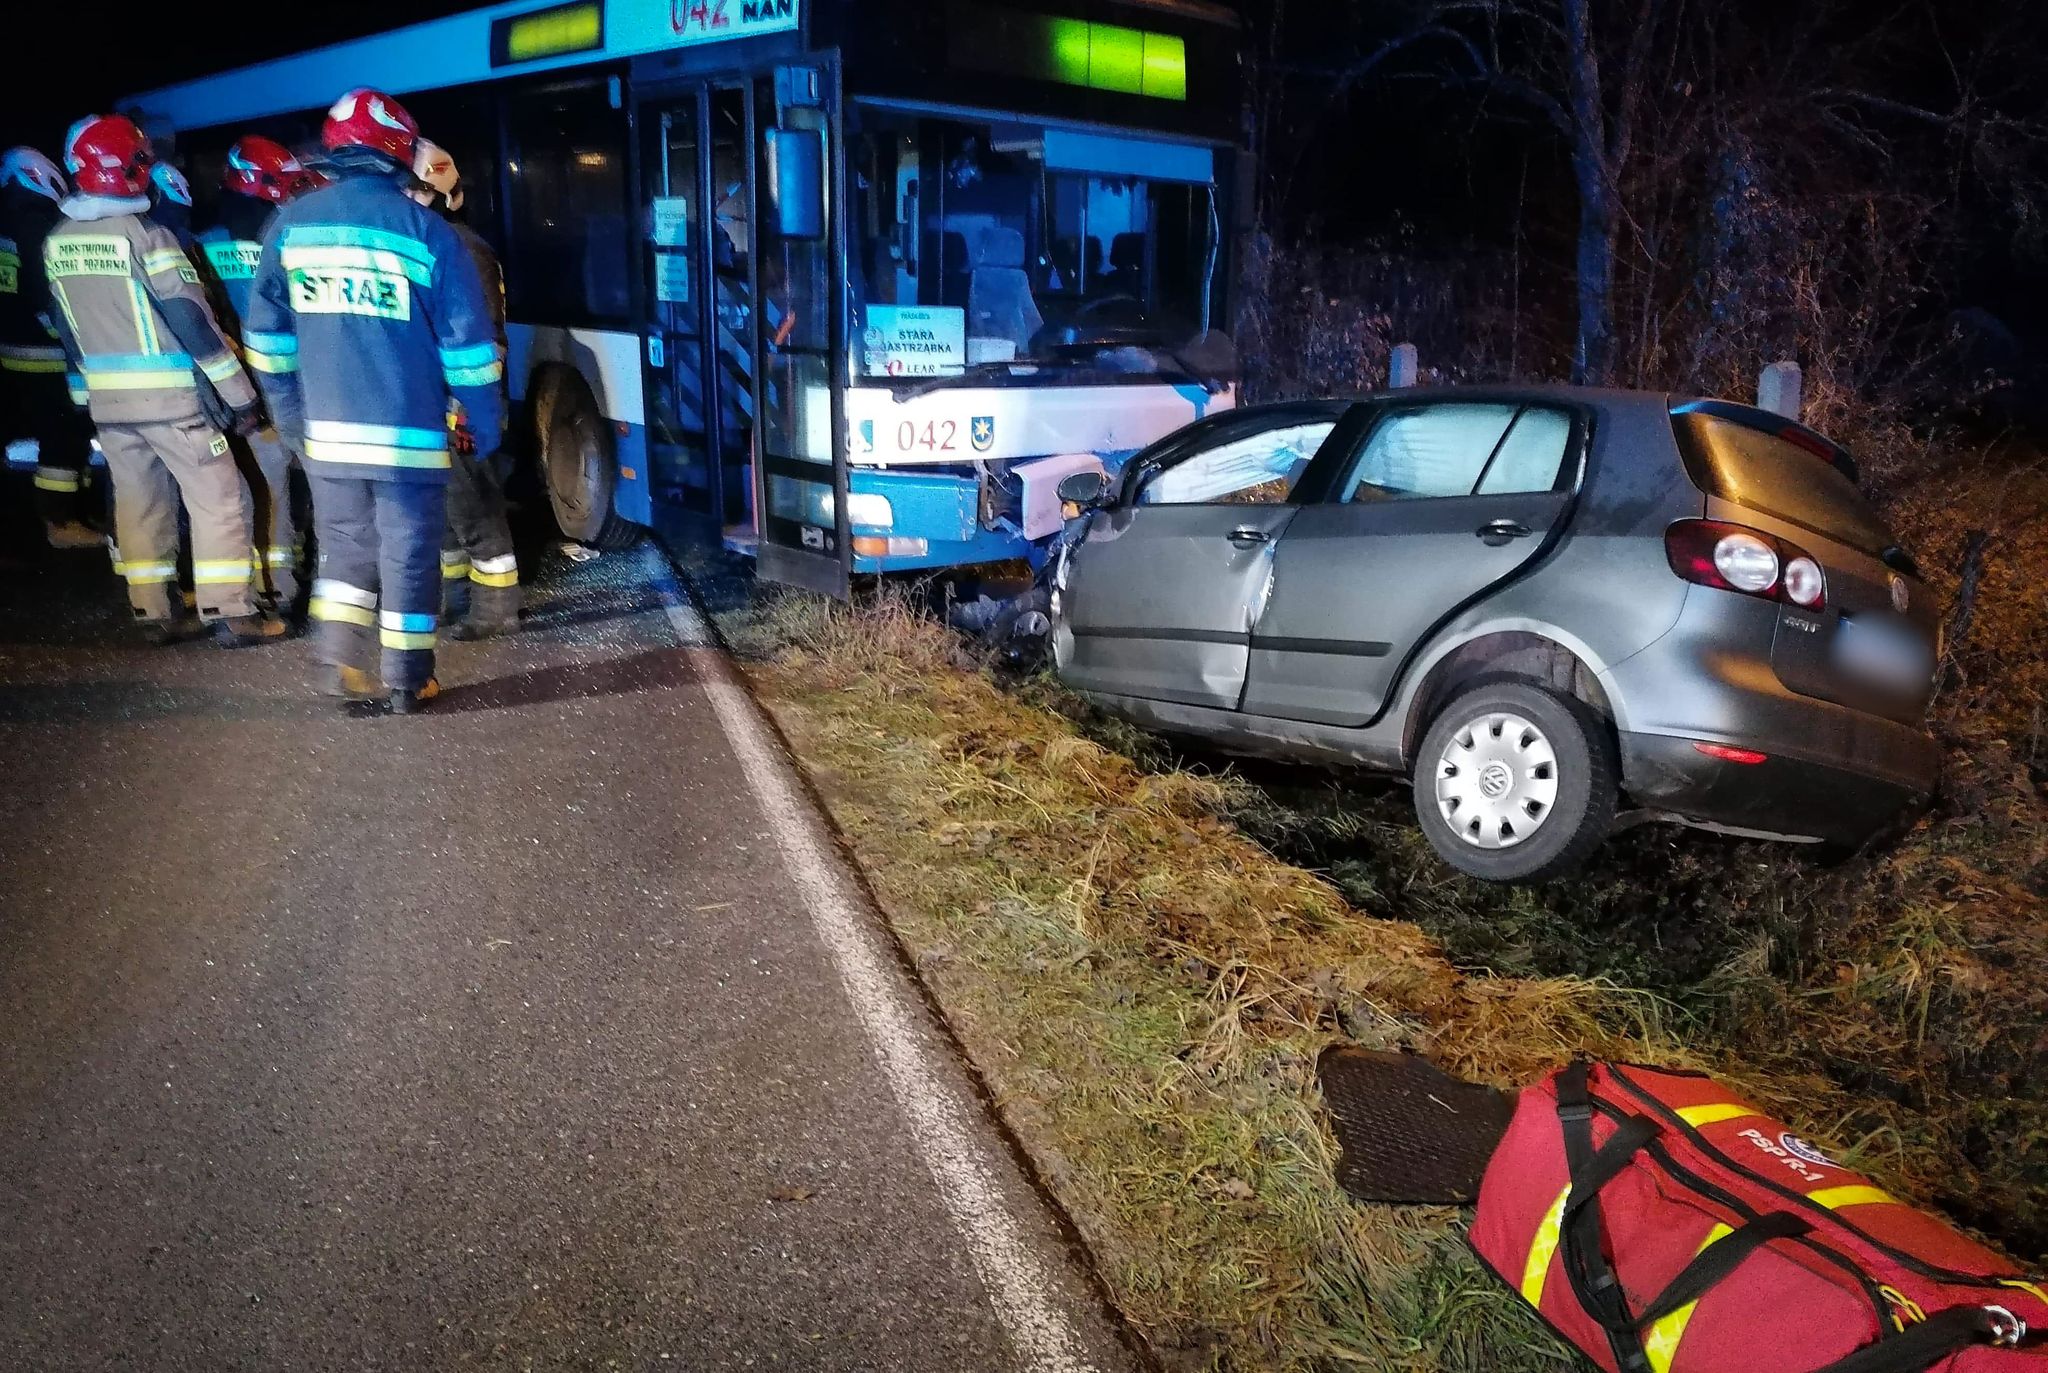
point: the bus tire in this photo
(577, 457)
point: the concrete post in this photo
(1777, 390)
(1402, 367)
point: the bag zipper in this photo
(1917, 1264)
(1880, 1308)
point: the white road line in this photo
(1019, 1288)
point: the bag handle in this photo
(1585, 1262)
(1719, 1259)
(1921, 1346)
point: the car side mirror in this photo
(1083, 488)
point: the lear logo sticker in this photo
(983, 433)
(219, 445)
(1799, 1148)
(379, 295)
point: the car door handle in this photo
(1244, 536)
(1496, 533)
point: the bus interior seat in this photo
(1127, 265)
(999, 300)
(954, 268)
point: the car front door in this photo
(1157, 601)
(1438, 503)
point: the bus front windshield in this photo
(981, 253)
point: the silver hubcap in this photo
(1496, 781)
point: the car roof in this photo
(1555, 392)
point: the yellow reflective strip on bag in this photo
(1660, 1341)
(1536, 1268)
(1857, 1194)
(222, 570)
(1713, 1111)
(400, 639)
(342, 612)
(56, 479)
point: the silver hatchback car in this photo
(1558, 611)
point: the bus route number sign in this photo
(710, 21)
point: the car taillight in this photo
(1735, 558)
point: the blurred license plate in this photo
(1888, 652)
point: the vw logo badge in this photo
(1901, 596)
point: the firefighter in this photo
(36, 397)
(162, 383)
(260, 175)
(366, 321)
(479, 571)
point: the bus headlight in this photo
(870, 510)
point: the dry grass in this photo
(1145, 990)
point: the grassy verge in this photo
(1145, 989)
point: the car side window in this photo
(1459, 449)
(1257, 469)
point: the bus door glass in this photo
(682, 447)
(801, 477)
(730, 240)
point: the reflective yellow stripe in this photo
(145, 320)
(374, 455)
(1536, 1269)
(221, 368)
(398, 638)
(1858, 1194)
(454, 572)
(164, 260)
(483, 578)
(222, 570)
(138, 381)
(272, 363)
(279, 557)
(149, 572)
(1660, 1341)
(343, 612)
(1719, 1110)
(56, 479)
(31, 364)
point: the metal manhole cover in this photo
(1409, 1132)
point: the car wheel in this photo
(1514, 783)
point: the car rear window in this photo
(1775, 476)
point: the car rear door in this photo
(1439, 502)
(1157, 600)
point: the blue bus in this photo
(848, 284)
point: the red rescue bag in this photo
(1663, 1225)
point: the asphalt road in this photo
(496, 1037)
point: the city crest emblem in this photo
(982, 433)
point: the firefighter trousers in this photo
(41, 408)
(479, 572)
(153, 467)
(279, 545)
(379, 581)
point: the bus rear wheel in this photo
(578, 459)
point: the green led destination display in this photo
(556, 32)
(1072, 52)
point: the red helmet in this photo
(260, 167)
(370, 119)
(108, 155)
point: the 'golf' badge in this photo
(983, 433)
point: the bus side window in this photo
(567, 261)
